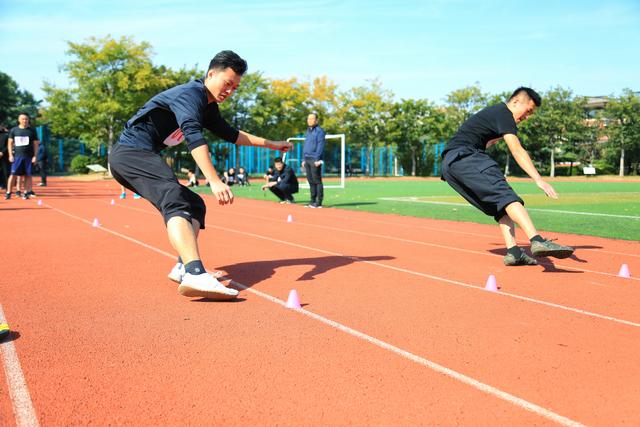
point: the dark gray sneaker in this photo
(549, 248)
(524, 259)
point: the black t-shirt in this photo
(176, 115)
(487, 124)
(23, 141)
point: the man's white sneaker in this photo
(205, 286)
(177, 273)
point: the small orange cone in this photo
(293, 301)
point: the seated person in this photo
(242, 176)
(283, 183)
(269, 174)
(193, 180)
(229, 177)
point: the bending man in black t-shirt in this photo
(169, 118)
(477, 177)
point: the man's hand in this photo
(318, 163)
(222, 192)
(10, 157)
(547, 188)
(33, 159)
(283, 146)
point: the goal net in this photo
(333, 158)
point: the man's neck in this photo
(22, 127)
(510, 108)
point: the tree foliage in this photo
(624, 127)
(13, 100)
(111, 79)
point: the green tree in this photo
(111, 79)
(414, 124)
(555, 126)
(366, 114)
(462, 103)
(13, 101)
(624, 124)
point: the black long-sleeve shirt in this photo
(176, 115)
(286, 179)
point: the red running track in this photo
(395, 327)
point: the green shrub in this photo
(79, 164)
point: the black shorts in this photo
(478, 178)
(147, 174)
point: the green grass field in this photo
(597, 208)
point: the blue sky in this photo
(417, 49)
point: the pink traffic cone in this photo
(96, 223)
(39, 202)
(290, 218)
(113, 202)
(293, 301)
(491, 284)
(624, 271)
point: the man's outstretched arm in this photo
(524, 161)
(220, 190)
(245, 138)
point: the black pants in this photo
(146, 173)
(314, 177)
(5, 167)
(281, 193)
(42, 165)
(477, 178)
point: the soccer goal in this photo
(333, 158)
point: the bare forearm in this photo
(245, 138)
(521, 156)
(203, 159)
(524, 161)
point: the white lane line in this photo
(435, 245)
(444, 230)
(18, 391)
(407, 271)
(453, 248)
(430, 202)
(478, 385)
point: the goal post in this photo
(330, 167)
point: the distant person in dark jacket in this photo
(283, 183)
(313, 149)
(42, 159)
(4, 157)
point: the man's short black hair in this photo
(24, 113)
(532, 94)
(228, 59)
(278, 160)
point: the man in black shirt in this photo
(283, 183)
(22, 146)
(169, 118)
(477, 177)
